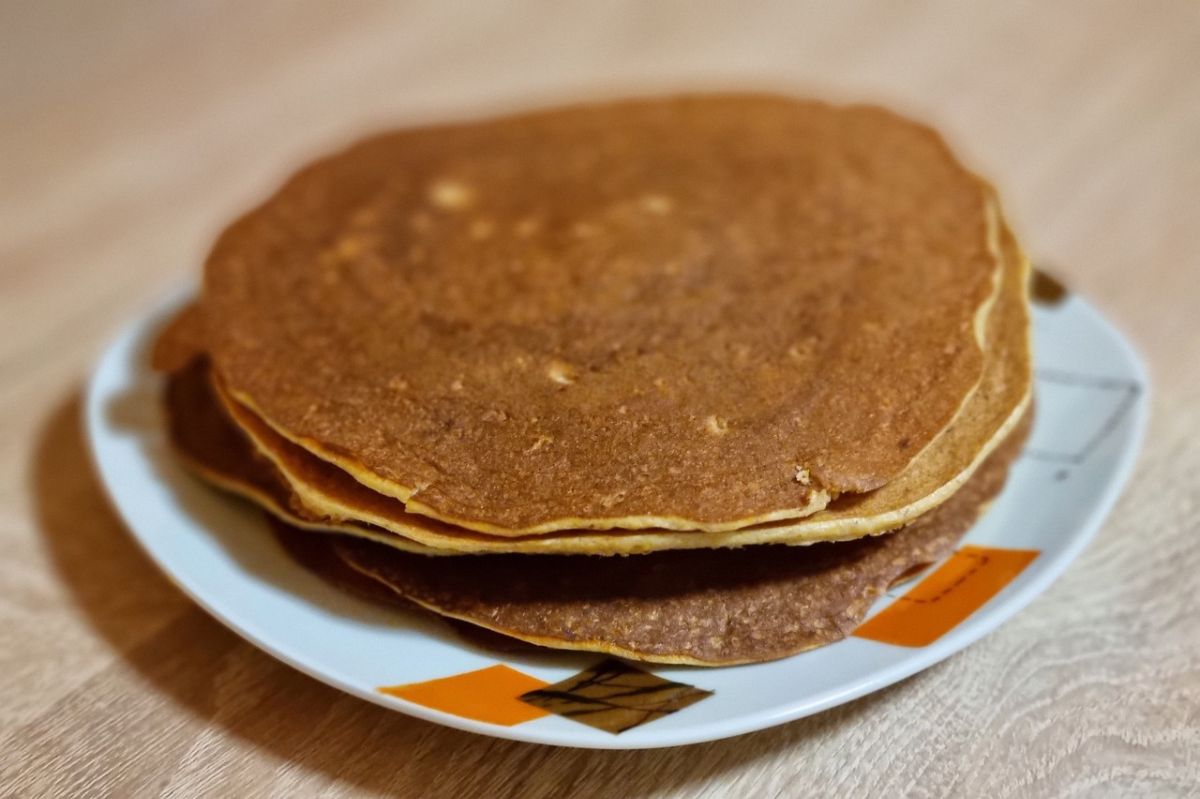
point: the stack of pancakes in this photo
(686, 380)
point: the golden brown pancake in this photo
(693, 313)
(696, 607)
(218, 452)
(330, 494)
(829, 592)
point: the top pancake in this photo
(697, 313)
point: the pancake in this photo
(700, 313)
(329, 493)
(181, 342)
(697, 607)
(317, 553)
(213, 448)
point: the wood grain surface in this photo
(130, 132)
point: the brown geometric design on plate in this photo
(1054, 403)
(1046, 290)
(614, 696)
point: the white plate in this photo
(1091, 413)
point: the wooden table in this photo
(133, 130)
